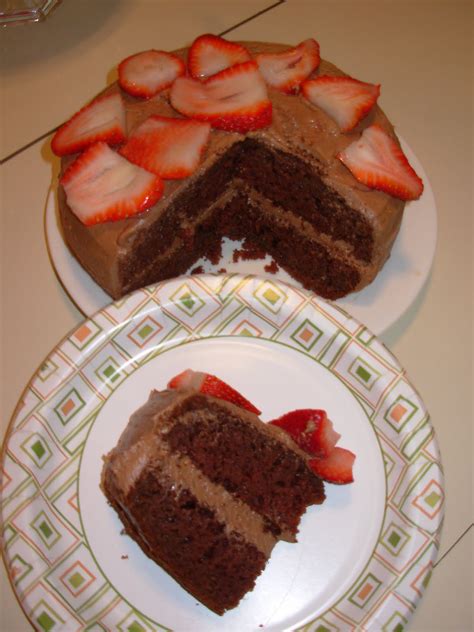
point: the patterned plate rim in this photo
(388, 589)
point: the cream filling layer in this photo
(153, 455)
(337, 248)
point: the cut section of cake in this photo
(207, 489)
(300, 162)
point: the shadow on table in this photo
(395, 331)
(69, 25)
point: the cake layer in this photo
(325, 270)
(151, 453)
(270, 478)
(187, 540)
(273, 173)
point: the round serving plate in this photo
(363, 558)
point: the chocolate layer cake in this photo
(282, 188)
(206, 490)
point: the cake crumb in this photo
(248, 252)
(124, 557)
(214, 254)
(272, 267)
(197, 270)
(222, 271)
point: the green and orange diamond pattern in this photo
(57, 580)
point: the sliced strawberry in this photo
(102, 186)
(310, 429)
(344, 99)
(234, 99)
(209, 54)
(147, 73)
(335, 468)
(287, 70)
(101, 120)
(211, 385)
(377, 160)
(169, 147)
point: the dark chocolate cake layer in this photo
(292, 249)
(265, 474)
(291, 166)
(187, 540)
(206, 490)
(273, 173)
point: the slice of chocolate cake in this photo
(206, 490)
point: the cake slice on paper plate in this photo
(207, 489)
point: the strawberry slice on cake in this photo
(169, 147)
(101, 186)
(147, 73)
(101, 120)
(344, 99)
(287, 70)
(211, 385)
(378, 161)
(234, 99)
(209, 54)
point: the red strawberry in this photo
(377, 160)
(147, 73)
(335, 468)
(102, 120)
(285, 71)
(102, 186)
(169, 147)
(234, 99)
(211, 385)
(344, 99)
(310, 429)
(209, 54)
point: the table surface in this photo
(421, 52)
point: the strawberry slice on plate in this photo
(101, 186)
(101, 120)
(169, 147)
(209, 54)
(149, 72)
(377, 160)
(344, 99)
(234, 99)
(211, 385)
(287, 70)
(310, 429)
(335, 468)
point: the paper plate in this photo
(363, 559)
